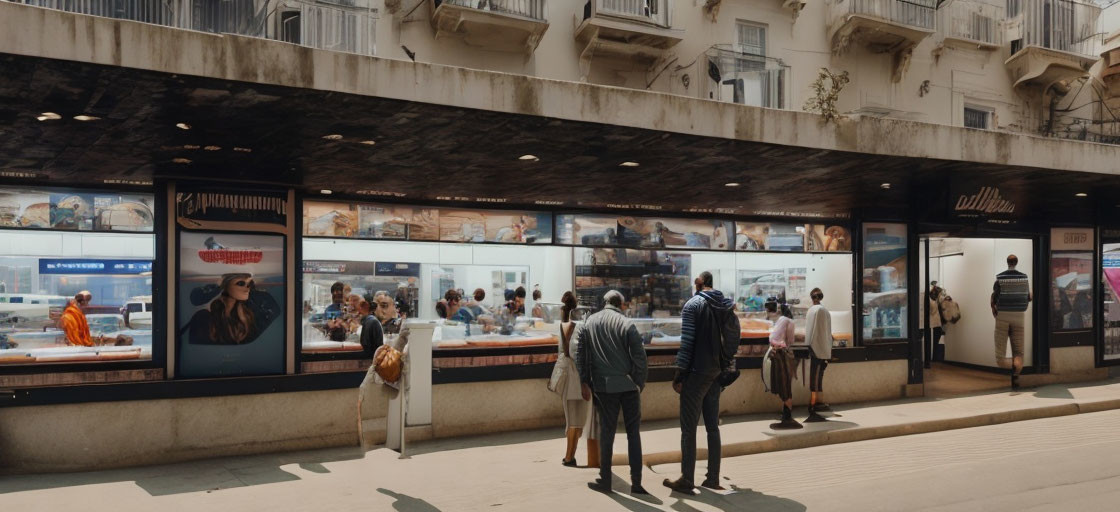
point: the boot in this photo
(592, 453)
(813, 416)
(787, 423)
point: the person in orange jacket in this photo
(73, 321)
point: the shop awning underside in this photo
(411, 151)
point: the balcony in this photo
(746, 79)
(503, 25)
(971, 24)
(338, 25)
(1110, 71)
(883, 26)
(635, 30)
(1052, 42)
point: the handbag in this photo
(387, 363)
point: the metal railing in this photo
(653, 12)
(1062, 25)
(972, 21)
(746, 79)
(336, 27)
(1083, 129)
(917, 13)
(533, 9)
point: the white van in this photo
(138, 312)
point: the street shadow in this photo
(501, 439)
(1057, 392)
(736, 499)
(406, 503)
(824, 426)
(206, 475)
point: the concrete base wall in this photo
(102, 435)
(1069, 364)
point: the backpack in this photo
(729, 330)
(950, 310)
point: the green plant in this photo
(825, 95)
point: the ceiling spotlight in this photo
(181, 160)
(629, 164)
(84, 117)
(529, 158)
(243, 150)
(212, 148)
(191, 146)
(1081, 194)
(732, 184)
(885, 186)
(48, 116)
(325, 192)
(369, 142)
(333, 136)
(183, 126)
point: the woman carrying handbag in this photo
(565, 382)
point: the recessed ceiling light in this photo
(191, 146)
(1081, 194)
(529, 158)
(212, 148)
(333, 136)
(369, 142)
(732, 184)
(181, 160)
(84, 117)
(885, 186)
(48, 116)
(243, 150)
(326, 192)
(183, 126)
(629, 164)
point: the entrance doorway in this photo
(963, 270)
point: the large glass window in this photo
(884, 282)
(1071, 290)
(1110, 277)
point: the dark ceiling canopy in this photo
(354, 144)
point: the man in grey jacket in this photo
(611, 363)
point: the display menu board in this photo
(63, 209)
(392, 222)
(788, 237)
(643, 232)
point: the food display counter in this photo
(50, 347)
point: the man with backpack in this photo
(705, 365)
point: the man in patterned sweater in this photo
(1011, 296)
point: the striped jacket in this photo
(1011, 292)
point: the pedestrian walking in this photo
(782, 361)
(612, 365)
(818, 335)
(709, 339)
(1011, 296)
(567, 383)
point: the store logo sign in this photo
(988, 200)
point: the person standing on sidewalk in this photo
(1011, 296)
(612, 365)
(818, 335)
(576, 408)
(709, 339)
(782, 361)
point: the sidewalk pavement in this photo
(745, 435)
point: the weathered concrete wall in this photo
(39, 32)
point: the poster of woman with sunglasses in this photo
(231, 293)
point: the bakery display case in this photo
(656, 283)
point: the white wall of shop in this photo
(77, 245)
(968, 278)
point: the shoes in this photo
(600, 486)
(713, 485)
(787, 423)
(680, 485)
(638, 489)
(1014, 382)
(569, 463)
(814, 417)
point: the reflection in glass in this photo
(1071, 290)
(1110, 267)
(884, 281)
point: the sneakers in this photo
(713, 485)
(680, 485)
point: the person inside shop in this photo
(386, 311)
(455, 311)
(782, 360)
(818, 335)
(709, 339)
(1011, 296)
(476, 305)
(336, 326)
(612, 366)
(538, 308)
(73, 321)
(567, 385)
(933, 315)
(372, 335)
(516, 304)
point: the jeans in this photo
(700, 394)
(608, 405)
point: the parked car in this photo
(138, 312)
(102, 324)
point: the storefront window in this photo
(884, 281)
(1071, 288)
(1110, 277)
(643, 232)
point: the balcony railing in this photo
(916, 13)
(1083, 129)
(972, 21)
(1062, 25)
(344, 26)
(653, 12)
(533, 9)
(747, 79)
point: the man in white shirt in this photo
(818, 335)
